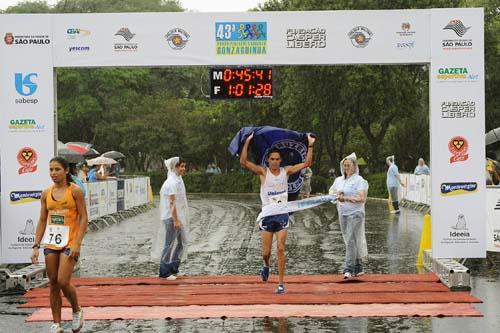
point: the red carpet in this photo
(246, 296)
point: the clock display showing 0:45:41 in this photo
(241, 82)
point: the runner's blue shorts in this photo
(274, 223)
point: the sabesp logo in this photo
(24, 84)
(25, 87)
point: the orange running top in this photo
(62, 220)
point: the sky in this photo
(193, 5)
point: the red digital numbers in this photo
(241, 82)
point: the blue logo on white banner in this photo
(24, 84)
(25, 87)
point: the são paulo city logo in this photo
(20, 197)
(458, 29)
(27, 158)
(290, 148)
(451, 189)
(177, 38)
(11, 39)
(25, 86)
(360, 36)
(458, 147)
(127, 45)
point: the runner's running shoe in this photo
(264, 273)
(78, 321)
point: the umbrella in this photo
(91, 153)
(82, 144)
(77, 148)
(114, 155)
(101, 160)
(70, 155)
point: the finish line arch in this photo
(451, 40)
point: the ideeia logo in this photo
(458, 147)
(20, 197)
(451, 189)
(461, 223)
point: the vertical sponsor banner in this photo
(129, 191)
(120, 195)
(103, 198)
(112, 196)
(493, 212)
(26, 128)
(93, 203)
(457, 133)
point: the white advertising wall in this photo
(26, 128)
(493, 211)
(457, 133)
(450, 39)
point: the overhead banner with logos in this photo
(27, 131)
(457, 133)
(451, 40)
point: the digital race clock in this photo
(241, 82)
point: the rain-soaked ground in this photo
(224, 240)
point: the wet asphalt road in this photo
(224, 240)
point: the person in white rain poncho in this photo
(351, 190)
(174, 217)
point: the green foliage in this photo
(377, 185)
(320, 184)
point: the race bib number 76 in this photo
(56, 235)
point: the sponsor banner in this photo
(129, 193)
(458, 196)
(326, 37)
(493, 212)
(112, 197)
(120, 195)
(27, 129)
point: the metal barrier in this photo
(31, 276)
(451, 273)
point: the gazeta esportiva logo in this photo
(455, 74)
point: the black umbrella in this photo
(70, 155)
(116, 155)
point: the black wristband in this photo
(35, 246)
(309, 146)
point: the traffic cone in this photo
(425, 239)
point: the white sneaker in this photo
(171, 277)
(78, 321)
(347, 275)
(56, 328)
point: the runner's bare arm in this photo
(40, 228)
(257, 169)
(291, 169)
(84, 221)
